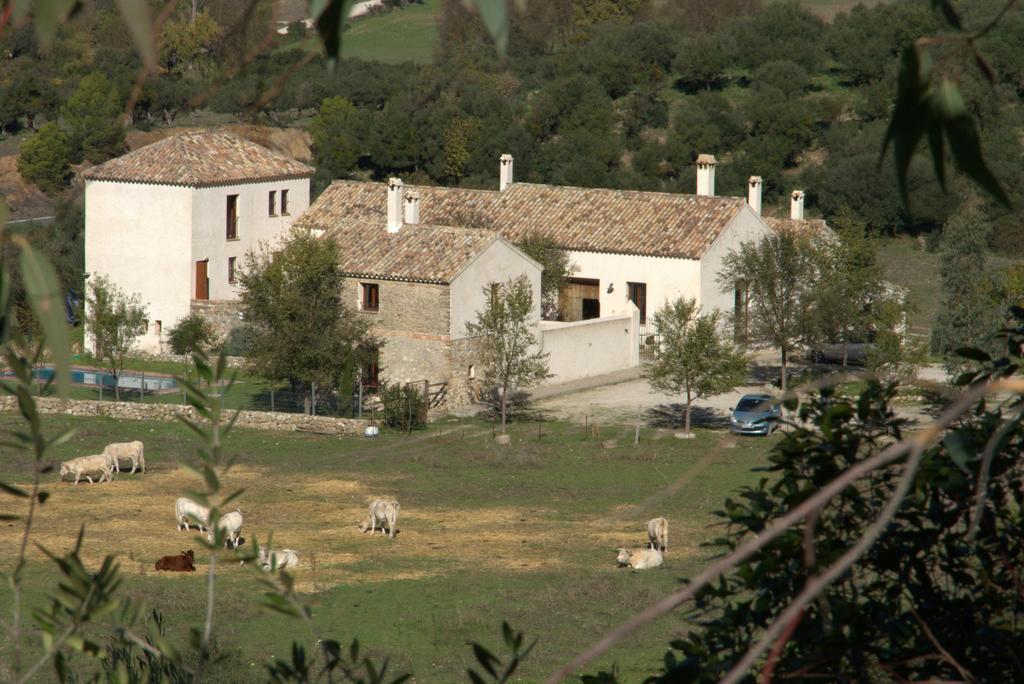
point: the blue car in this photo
(755, 415)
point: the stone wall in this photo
(221, 313)
(256, 420)
(413, 319)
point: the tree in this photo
(114, 321)
(506, 342)
(337, 137)
(971, 303)
(45, 159)
(556, 265)
(186, 45)
(191, 335)
(849, 290)
(303, 331)
(778, 275)
(93, 113)
(693, 358)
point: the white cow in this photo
(186, 511)
(640, 559)
(231, 523)
(657, 534)
(383, 512)
(87, 466)
(277, 560)
(130, 450)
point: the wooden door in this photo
(202, 280)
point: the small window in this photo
(284, 202)
(638, 295)
(471, 372)
(232, 217)
(158, 327)
(371, 297)
(371, 374)
(231, 270)
(272, 203)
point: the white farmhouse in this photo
(172, 221)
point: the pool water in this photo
(95, 378)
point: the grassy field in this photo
(405, 35)
(524, 533)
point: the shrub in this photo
(192, 334)
(405, 407)
(45, 159)
(516, 407)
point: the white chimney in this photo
(395, 193)
(412, 207)
(796, 206)
(706, 175)
(754, 193)
(505, 175)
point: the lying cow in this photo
(640, 559)
(188, 511)
(126, 450)
(277, 560)
(383, 512)
(183, 562)
(657, 534)
(87, 466)
(231, 523)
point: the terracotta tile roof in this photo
(580, 219)
(199, 159)
(417, 253)
(807, 228)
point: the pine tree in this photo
(45, 159)
(93, 113)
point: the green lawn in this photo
(405, 35)
(524, 533)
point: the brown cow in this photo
(183, 562)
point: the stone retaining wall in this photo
(256, 420)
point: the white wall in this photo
(666, 278)
(497, 263)
(593, 347)
(255, 225)
(139, 236)
(746, 226)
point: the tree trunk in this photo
(117, 383)
(689, 405)
(785, 361)
(504, 394)
(846, 352)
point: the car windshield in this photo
(752, 404)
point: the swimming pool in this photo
(95, 377)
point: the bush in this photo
(240, 340)
(192, 334)
(45, 159)
(405, 407)
(516, 408)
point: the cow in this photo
(231, 523)
(640, 559)
(183, 562)
(657, 534)
(129, 450)
(87, 466)
(277, 560)
(186, 511)
(382, 512)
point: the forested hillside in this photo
(591, 93)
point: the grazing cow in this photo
(382, 512)
(640, 559)
(130, 450)
(277, 560)
(183, 562)
(231, 523)
(657, 534)
(187, 510)
(87, 466)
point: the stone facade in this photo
(413, 319)
(255, 420)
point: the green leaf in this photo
(13, 491)
(965, 143)
(44, 293)
(960, 450)
(911, 116)
(330, 17)
(136, 18)
(949, 13)
(495, 16)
